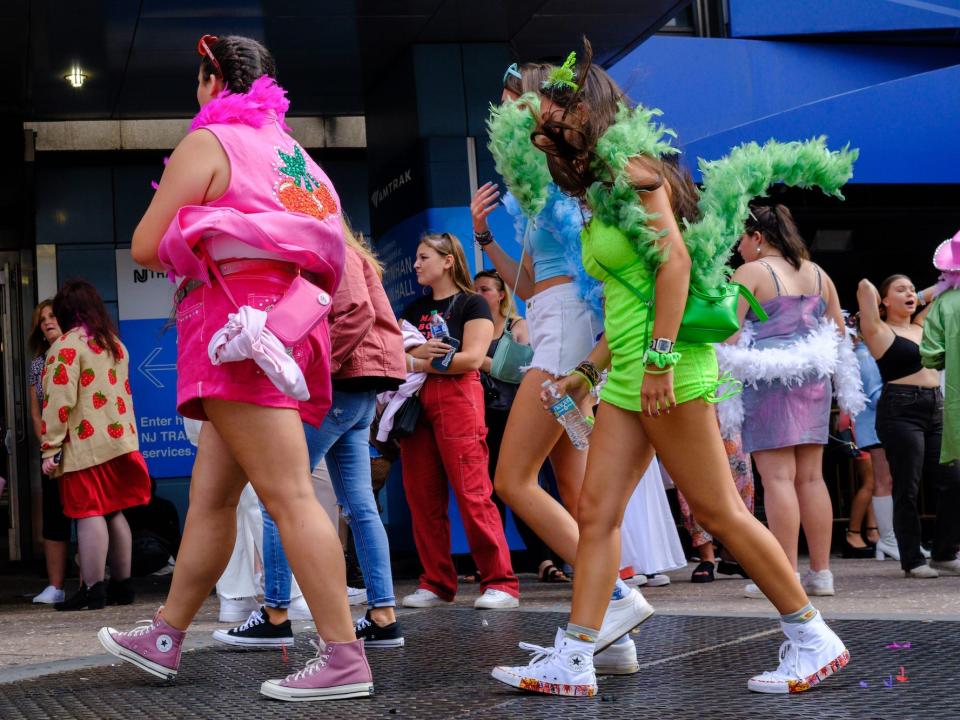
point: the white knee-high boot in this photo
(887, 544)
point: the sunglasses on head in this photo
(203, 47)
(514, 71)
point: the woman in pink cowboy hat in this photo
(910, 413)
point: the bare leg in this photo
(120, 554)
(93, 541)
(688, 442)
(269, 444)
(778, 472)
(619, 454)
(882, 479)
(816, 511)
(860, 506)
(530, 435)
(210, 529)
(55, 554)
(569, 465)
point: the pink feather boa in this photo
(256, 108)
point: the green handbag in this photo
(710, 316)
(508, 358)
(510, 355)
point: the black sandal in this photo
(731, 567)
(550, 573)
(703, 573)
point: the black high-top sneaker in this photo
(374, 635)
(257, 631)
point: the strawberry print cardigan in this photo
(87, 405)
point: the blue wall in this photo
(897, 104)
(766, 18)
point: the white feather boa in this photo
(822, 353)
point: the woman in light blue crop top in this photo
(563, 330)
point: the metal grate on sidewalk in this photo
(691, 667)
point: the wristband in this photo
(588, 370)
(660, 359)
(590, 382)
(648, 371)
(483, 238)
(920, 297)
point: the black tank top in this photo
(902, 358)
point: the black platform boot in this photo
(90, 598)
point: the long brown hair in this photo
(776, 224)
(447, 244)
(78, 304)
(570, 140)
(38, 341)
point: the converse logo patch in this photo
(164, 643)
(576, 662)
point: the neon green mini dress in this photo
(627, 324)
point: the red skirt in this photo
(106, 488)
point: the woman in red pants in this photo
(449, 443)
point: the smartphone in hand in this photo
(443, 363)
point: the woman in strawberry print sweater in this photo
(89, 442)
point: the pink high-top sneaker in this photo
(155, 647)
(339, 671)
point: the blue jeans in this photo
(343, 439)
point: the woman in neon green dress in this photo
(657, 396)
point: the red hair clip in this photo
(203, 47)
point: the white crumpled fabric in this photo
(246, 337)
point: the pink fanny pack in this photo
(302, 307)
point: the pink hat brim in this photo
(947, 255)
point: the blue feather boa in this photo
(562, 218)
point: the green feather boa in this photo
(521, 165)
(729, 184)
(614, 200)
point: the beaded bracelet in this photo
(589, 371)
(483, 238)
(583, 375)
(661, 360)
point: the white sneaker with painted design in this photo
(811, 654)
(565, 669)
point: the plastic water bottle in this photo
(567, 413)
(438, 326)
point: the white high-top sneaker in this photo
(565, 669)
(622, 616)
(811, 654)
(620, 658)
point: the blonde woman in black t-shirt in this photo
(448, 448)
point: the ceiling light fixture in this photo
(76, 77)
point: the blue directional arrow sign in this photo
(149, 368)
(145, 300)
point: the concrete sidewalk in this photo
(38, 640)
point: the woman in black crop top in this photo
(910, 423)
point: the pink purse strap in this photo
(216, 272)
